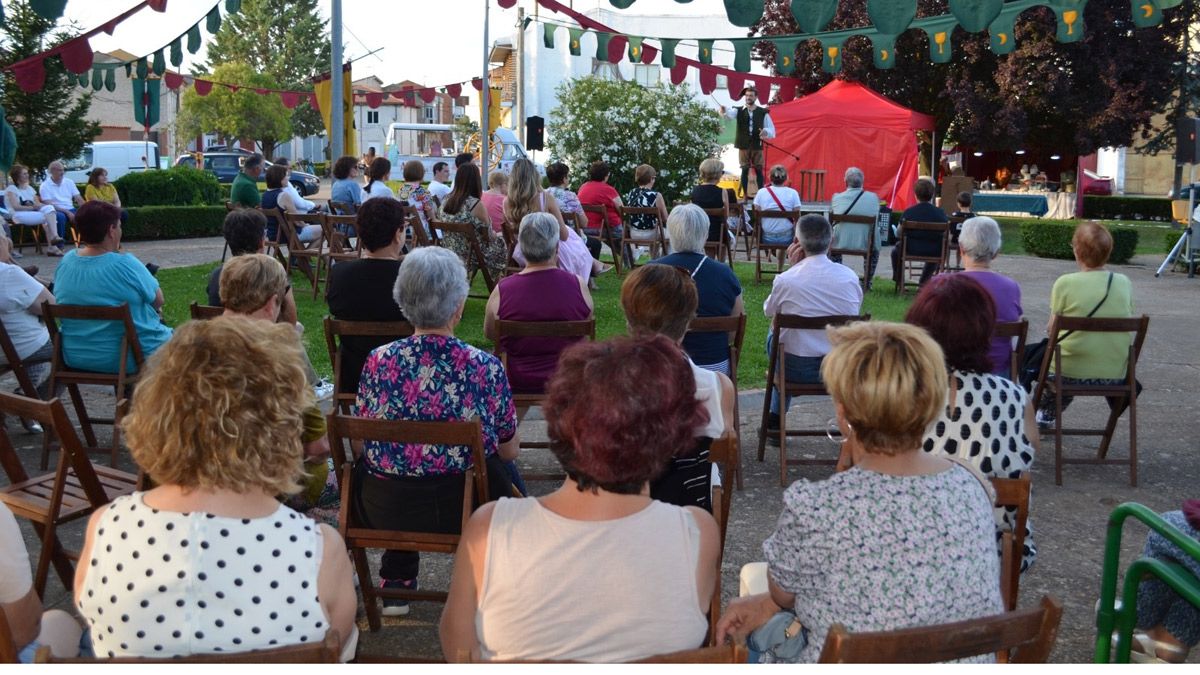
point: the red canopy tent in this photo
(845, 124)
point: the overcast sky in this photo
(433, 42)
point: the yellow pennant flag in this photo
(323, 87)
(494, 109)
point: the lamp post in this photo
(486, 92)
(337, 121)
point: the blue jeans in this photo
(800, 369)
(62, 223)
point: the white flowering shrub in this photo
(626, 125)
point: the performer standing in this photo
(753, 126)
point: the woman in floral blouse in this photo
(431, 376)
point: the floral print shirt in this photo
(876, 552)
(568, 202)
(433, 378)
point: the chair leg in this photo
(50, 549)
(116, 428)
(1058, 436)
(783, 464)
(85, 420)
(737, 450)
(1133, 442)
(365, 584)
(1114, 415)
(766, 411)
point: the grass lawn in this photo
(185, 285)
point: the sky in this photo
(432, 42)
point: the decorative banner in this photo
(8, 143)
(576, 35)
(743, 13)
(290, 99)
(785, 55)
(884, 48)
(679, 72)
(77, 55)
(214, 21)
(635, 49)
(892, 16)
(110, 80)
(147, 101)
(704, 50)
(831, 51)
(176, 52)
(202, 87)
(548, 35)
(50, 10)
(940, 50)
(741, 54)
(193, 38)
(173, 80)
(1070, 19)
(734, 85)
(323, 90)
(975, 15)
(668, 52)
(454, 90)
(813, 15)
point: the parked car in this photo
(117, 157)
(226, 164)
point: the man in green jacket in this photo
(244, 191)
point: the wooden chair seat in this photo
(606, 236)
(657, 243)
(1020, 331)
(735, 328)
(24, 230)
(866, 253)
(910, 261)
(205, 312)
(327, 651)
(760, 246)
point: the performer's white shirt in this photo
(768, 130)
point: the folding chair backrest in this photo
(277, 215)
(722, 654)
(1020, 331)
(911, 226)
(338, 242)
(1029, 634)
(628, 211)
(732, 325)
(337, 329)
(326, 651)
(12, 362)
(783, 322)
(851, 219)
(421, 236)
(205, 312)
(53, 418)
(760, 214)
(295, 222)
(55, 314)
(1013, 492)
(1060, 325)
(468, 233)
(585, 328)
(342, 208)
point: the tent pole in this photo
(933, 155)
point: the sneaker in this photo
(17, 255)
(323, 389)
(392, 606)
(31, 426)
(1045, 420)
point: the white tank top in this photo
(594, 591)
(163, 583)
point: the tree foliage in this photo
(52, 123)
(241, 114)
(1076, 97)
(625, 125)
(285, 39)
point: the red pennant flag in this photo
(203, 87)
(507, 4)
(110, 26)
(232, 87)
(763, 85)
(787, 92)
(173, 80)
(649, 54)
(477, 83)
(409, 97)
(455, 90)
(678, 72)
(313, 101)
(76, 55)
(374, 99)
(290, 99)
(708, 80)
(735, 86)
(262, 92)
(30, 76)
(616, 48)
(428, 95)
(158, 5)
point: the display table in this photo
(1004, 201)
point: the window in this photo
(647, 75)
(722, 82)
(372, 117)
(430, 114)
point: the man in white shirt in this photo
(290, 190)
(439, 187)
(753, 126)
(21, 299)
(814, 285)
(62, 194)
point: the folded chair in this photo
(735, 328)
(302, 252)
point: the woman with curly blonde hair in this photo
(525, 196)
(215, 423)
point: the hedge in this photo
(173, 222)
(177, 186)
(1049, 239)
(1127, 208)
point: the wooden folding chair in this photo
(955, 223)
(340, 249)
(1029, 636)
(63, 375)
(74, 490)
(342, 208)
(511, 266)
(732, 654)
(346, 432)
(9, 650)
(606, 236)
(467, 232)
(205, 312)
(1018, 330)
(22, 229)
(1123, 395)
(737, 213)
(337, 330)
(869, 221)
(1013, 493)
(911, 259)
(302, 252)
(657, 243)
(812, 185)
(275, 245)
(14, 365)
(720, 249)
(777, 383)
(724, 453)
(417, 234)
(326, 651)
(777, 250)
(735, 328)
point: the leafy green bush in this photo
(177, 186)
(1127, 208)
(625, 125)
(173, 222)
(1050, 239)
(321, 168)
(1170, 239)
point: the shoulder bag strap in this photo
(777, 202)
(851, 207)
(1094, 309)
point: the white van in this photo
(117, 157)
(404, 133)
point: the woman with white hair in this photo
(855, 201)
(540, 292)
(979, 244)
(719, 289)
(431, 376)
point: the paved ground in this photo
(1069, 521)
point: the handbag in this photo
(782, 636)
(1031, 360)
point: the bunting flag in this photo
(975, 15)
(323, 91)
(813, 15)
(8, 143)
(147, 101)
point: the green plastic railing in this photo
(1183, 582)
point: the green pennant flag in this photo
(940, 49)
(1145, 14)
(602, 40)
(98, 79)
(635, 48)
(1070, 19)
(667, 47)
(548, 35)
(892, 17)
(193, 38)
(622, 4)
(110, 80)
(213, 21)
(48, 9)
(129, 69)
(884, 49)
(8, 143)
(576, 35)
(813, 15)
(975, 15)
(704, 50)
(160, 63)
(1167, 4)
(741, 54)
(1002, 31)
(785, 55)
(83, 79)
(743, 13)
(142, 68)
(177, 52)
(831, 53)
(233, 6)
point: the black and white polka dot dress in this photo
(164, 583)
(986, 427)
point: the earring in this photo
(834, 432)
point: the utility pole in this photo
(485, 134)
(520, 88)
(337, 120)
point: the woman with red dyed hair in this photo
(988, 421)
(596, 571)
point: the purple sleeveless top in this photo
(545, 295)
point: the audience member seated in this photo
(378, 173)
(527, 575)
(275, 197)
(988, 422)
(661, 300)
(777, 197)
(98, 274)
(213, 423)
(30, 626)
(540, 292)
(244, 191)
(493, 199)
(439, 187)
(346, 189)
(62, 194)
(414, 194)
(244, 231)
(431, 376)
(978, 245)
(645, 196)
(525, 196)
(922, 243)
(464, 205)
(1090, 358)
(709, 195)
(21, 298)
(901, 539)
(1168, 626)
(813, 286)
(26, 208)
(855, 200)
(361, 290)
(597, 192)
(100, 190)
(290, 192)
(719, 290)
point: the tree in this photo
(464, 129)
(285, 39)
(51, 123)
(626, 124)
(241, 114)
(1073, 97)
